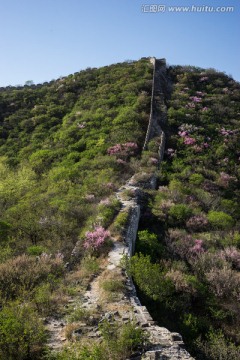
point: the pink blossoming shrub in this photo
(188, 128)
(232, 255)
(195, 99)
(189, 140)
(182, 133)
(197, 248)
(81, 126)
(190, 106)
(120, 161)
(225, 179)
(224, 283)
(226, 132)
(110, 186)
(105, 202)
(114, 150)
(96, 238)
(90, 197)
(179, 243)
(153, 161)
(170, 152)
(123, 150)
(200, 93)
(197, 223)
(24, 273)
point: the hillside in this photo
(189, 230)
(81, 163)
(55, 160)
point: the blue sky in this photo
(44, 39)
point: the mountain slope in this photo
(191, 227)
(74, 181)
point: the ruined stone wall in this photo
(164, 344)
(132, 228)
(149, 129)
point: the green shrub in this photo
(108, 210)
(24, 273)
(121, 340)
(77, 314)
(217, 347)
(22, 334)
(220, 220)
(4, 231)
(112, 285)
(149, 277)
(121, 221)
(82, 351)
(179, 213)
(43, 299)
(148, 243)
(35, 250)
(89, 265)
(196, 179)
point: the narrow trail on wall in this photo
(163, 345)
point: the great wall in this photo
(163, 344)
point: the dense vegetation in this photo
(66, 146)
(187, 265)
